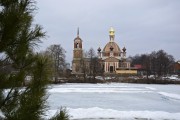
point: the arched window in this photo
(77, 45)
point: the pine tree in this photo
(18, 38)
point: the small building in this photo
(177, 67)
(140, 69)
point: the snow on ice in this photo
(116, 101)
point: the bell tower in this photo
(77, 54)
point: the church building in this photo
(111, 57)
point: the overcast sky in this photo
(142, 26)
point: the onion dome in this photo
(111, 31)
(124, 49)
(99, 49)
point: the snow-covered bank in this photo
(99, 113)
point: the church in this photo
(111, 56)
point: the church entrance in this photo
(111, 69)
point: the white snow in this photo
(116, 101)
(99, 113)
(171, 95)
(1, 114)
(98, 90)
(173, 78)
(151, 88)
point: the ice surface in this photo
(151, 88)
(116, 101)
(99, 90)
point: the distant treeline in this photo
(157, 63)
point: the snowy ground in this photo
(116, 101)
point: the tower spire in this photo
(78, 31)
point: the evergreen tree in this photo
(18, 38)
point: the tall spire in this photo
(78, 31)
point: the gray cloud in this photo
(141, 25)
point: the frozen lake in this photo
(116, 101)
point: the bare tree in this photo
(153, 67)
(84, 67)
(146, 62)
(91, 55)
(96, 67)
(57, 54)
(164, 62)
(158, 63)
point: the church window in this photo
(77, 45)
(111, 54)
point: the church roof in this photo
(111, 45)
(77, 38)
